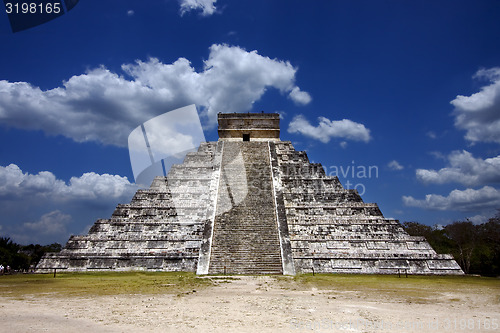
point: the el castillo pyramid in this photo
(249, 204)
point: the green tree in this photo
(488, 252)
(466, 237)
(476, 248)
(434, 235)
(10, 255)
(20, 257)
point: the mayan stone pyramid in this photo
(249, 204)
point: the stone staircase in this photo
(249, 207)
(245, 238)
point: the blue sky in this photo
(408, 88)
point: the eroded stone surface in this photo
(249, 208)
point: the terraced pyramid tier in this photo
(160, 229)
(249, 204)
(332, 230)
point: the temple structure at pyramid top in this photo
(249, 203)
(249, 126)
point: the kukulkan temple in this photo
(249, 203)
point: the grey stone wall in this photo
(160, 229)
(333, 231)
(253, 207)
(259, 126)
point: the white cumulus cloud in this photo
(300, 97)
(104, 106)
(486, 198)
(48, 228)
(394, 165)
(41, 208)
(479, 113)
(464, 168)
(327, 129)
(52, 223)
(14, 183)
(207, 7)
(479, 219)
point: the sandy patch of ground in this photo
(255, 304)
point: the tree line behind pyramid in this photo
(249, 203)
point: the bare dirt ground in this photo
(256, 304)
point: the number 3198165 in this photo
(33, 8)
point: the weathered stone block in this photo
(249, 204)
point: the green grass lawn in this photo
(351, 281)
(100, 283)
(119, 283)
(414, 288)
